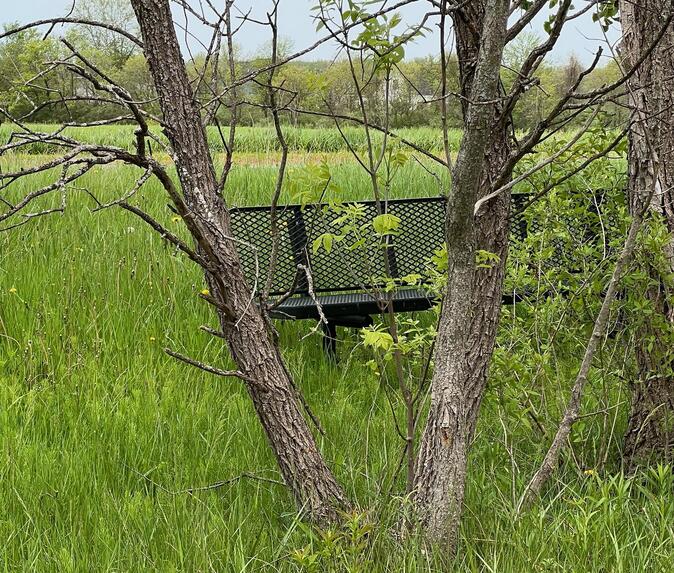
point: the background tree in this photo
(108, 43)
(470, 304)
(24, 88)
(478, 221)
(197, 198)
(650, 428)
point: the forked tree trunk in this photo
(247, 334)
(650, 429)
(471, 304)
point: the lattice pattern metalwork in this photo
(252, 228)
(344, 268)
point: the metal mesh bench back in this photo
(252, 228)
(346, 268)
(342, 269)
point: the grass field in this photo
(254, 139)
(101, 432)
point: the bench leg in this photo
(330, 339)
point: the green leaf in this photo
(327, 242)
(377, 340)
(386, 224)
(411, 279)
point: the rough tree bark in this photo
(249, 337)
(650, 429)
(471, 304)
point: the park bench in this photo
(341, 280)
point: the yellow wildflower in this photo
(152, 339)
(176, 219)
(590, 472)
(205, 292)
(12, 290)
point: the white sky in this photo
(580, 37)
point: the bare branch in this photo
(165, 234)
(550, 159)
(207, 367)
(273, 24)
(529, 14)
(71, 20)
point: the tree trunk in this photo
(650, 428)
(472, 301)
(248, 335)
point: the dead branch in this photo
(280, 176)
(206, 367)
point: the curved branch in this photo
(70, 20)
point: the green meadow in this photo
(111, 452)
(253, 139)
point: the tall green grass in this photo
(101, 432)
(249, 139)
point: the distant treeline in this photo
(29, 92)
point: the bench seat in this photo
(351, 305)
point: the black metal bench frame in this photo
(344, 301)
